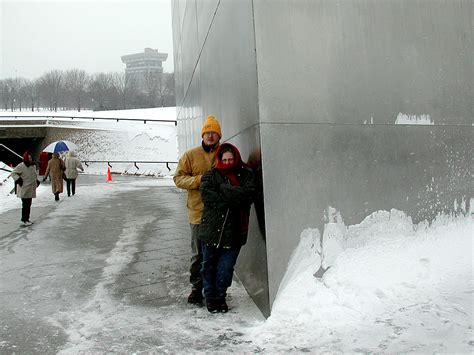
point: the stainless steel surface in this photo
(352, 61)
(252, 263)
(205, 14)
(318, 85)
(357, 169)
(228, 68)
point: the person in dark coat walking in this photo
(26, 181)
(227, 191)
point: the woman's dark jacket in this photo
(224, 222)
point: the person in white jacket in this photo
(26, 181)
(72, 165)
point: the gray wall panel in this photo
(189, 44)
(179, 83)
(357, 169)
(352, 61)
(252, 262)
(228, 68)
(205, 15)
(176, 25)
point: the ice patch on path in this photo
(84, 324)
(395, 287)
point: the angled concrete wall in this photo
(360, 105)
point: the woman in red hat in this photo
(227, 192)
(26, 181)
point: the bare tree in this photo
(9, 93)
(101, 88)
(151, 81)
(170, 98)
(51, 85)
(123, 84)
(31, 93)
(75, 84)
(76, 89)
(22, 96)
(4, 94)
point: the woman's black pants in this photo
(25, 209)
(70, 182)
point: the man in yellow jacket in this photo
(192, 165)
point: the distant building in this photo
(144, 67)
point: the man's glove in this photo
(20, 181)
(37, 183)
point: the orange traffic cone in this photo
(109, 175)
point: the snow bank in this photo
(393, 287)
(118, 141)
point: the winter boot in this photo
(212, 305)
(195, 297)
(222, 305)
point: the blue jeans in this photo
(217, 270)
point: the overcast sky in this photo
(37, 36)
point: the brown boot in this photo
(195, 297)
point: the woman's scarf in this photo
(229, 170)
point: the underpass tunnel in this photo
(19, 146)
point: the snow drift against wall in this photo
(391, 286)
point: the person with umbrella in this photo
(55, 169)
(60, 146)
(26, 181)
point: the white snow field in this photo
(393, 287)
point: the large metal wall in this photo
(333, 78)
(321, 96)
(215, 68)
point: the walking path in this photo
(107, 271)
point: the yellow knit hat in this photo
(211, 125)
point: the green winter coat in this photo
(224, 222)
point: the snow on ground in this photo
(120, 141)
(391, 286)
(394, 287)
(164, 113)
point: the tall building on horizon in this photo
(143, 68)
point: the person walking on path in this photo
(55, 169)
(192, 165)
(26, 181)
(227, 191)
(72, 164)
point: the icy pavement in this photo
(105, 271)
